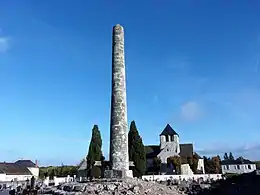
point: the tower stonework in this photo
(118, 125)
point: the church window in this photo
(172, 138)
(249, 166)
(167, 138)
(238, 167)
(227, 167)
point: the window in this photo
(172, 138)
(238, 166)
(167, 138)
(249, 166)
(227, 167)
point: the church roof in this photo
(197, 155)
(152, 151)
(83, 165)
(186, 150)
(168, 130)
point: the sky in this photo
(192, 64)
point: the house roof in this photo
(168, 130)
(14, 169)
(152, 151)
(197, 155)
(186, 150)
(236, 162)
(25, 163)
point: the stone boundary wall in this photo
(6, 178)
(181, 177)
(59, 180)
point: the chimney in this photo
(36, 163)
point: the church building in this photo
(170, 146)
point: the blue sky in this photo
(193, 64)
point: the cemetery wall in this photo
(4, 177)
(178, 177)
(58, 180)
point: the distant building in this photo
(20, 170)
(83, 169)
(238, 166)
(170, 146)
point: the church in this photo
(170, 146)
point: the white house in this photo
(170, 146)
(238, 166)
(20, 170)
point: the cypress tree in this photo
(95, 152)
(136, 151)
(226, 156)
(231, 157)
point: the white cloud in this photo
(249, 150)
(191, 111)
(4, 44)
